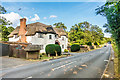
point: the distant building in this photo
(39, 34)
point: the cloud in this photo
(53, 16)
(45, 18)
(35, 18)
(12, 17)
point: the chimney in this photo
(22, 30)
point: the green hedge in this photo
(89, 43)
(96, 43)
(75, 47)
(58, 49)
(51, 48)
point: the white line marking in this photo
(63, 65)
(106, 60)
(29, 77)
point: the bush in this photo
(51, 48)
(58, 49)
(89, 43)
(75, 48)
(66, 51)
(96, 43)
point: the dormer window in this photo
(40, 35)
(16, 36)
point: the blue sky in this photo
(69, 13)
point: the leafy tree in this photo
(10, 29)
(84, 33)
(60, 25)
(111, 10)
(4, 31)
(2, 10)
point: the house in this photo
(39, 34)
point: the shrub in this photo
(66, 50)
(58, 49)
(75, 48)
(96, 43)
(89, 43)
(51, 48)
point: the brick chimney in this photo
(22, 30)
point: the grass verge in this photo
(116, 63)
(46, 58)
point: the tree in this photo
(2, 10)
(4, 31)
(111, 10)
(60, 25)
(84, 32)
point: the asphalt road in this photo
(87, 65)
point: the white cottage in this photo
(39, 34)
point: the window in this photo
(40, 35)
(55, 36)
(50, 36)
(16, 36)
(41, 47)
(63, 38)
(62, 46)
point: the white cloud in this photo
(45, 18)
(12, 17)
(35, 18)
(53, 16)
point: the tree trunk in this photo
(48, 55)
(56, 53)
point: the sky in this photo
(70, 13)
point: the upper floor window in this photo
(55, 36)
(16, 36)
(50, 36)
(63, 46)
(63, 38)
(40, 35)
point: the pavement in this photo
(87, 65)
(10, 62)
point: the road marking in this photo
(29, 77)
(106, 60)
(63, 66)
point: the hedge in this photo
(58, 49)
(51, 48)
(75, 47)
(89, 43)
(96, 43)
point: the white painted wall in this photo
(41, 41)
(13, 39)
(63, 42)
(44, 41)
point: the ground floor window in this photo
(41, 47)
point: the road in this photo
(86, 65)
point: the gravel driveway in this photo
(10, 62)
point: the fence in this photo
(4, 49)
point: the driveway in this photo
(10, 62)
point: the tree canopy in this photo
(84, 32)
(4, 31)
(60, 25)
(111, 10)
